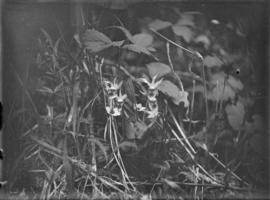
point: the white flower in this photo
(113, 85)
(113, 111)
(151, 113)
(139, 107)
(153, 84)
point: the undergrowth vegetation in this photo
(166, 111)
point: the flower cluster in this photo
(151, 108)
(115, 97)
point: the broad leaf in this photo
(142, 39)
(125, 145)
(225, 87)
(204, 40)
(212, 61)
(255, 125)
(157, 68)
(235, 114)
(137, 49)
(95, 40)
(159, 24)
(171, 90)
(183, 31)
(170, 183)
(186, 19)
(135, 129)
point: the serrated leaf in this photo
(95, 40)
(157, 68)
(159, 24)
(183, 31)
(212, 61)
(235, 114)
(142, 39)
(171, 90)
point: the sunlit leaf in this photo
(142, 39)
(186, 19)
(235, 83)
(137, 49)
(177, 96)
(157, 68)
(235, 114)
(184, 32)
(170, 183)
(225, 87)
(125, 145)
(212, 61)
(95, 40)
(204, 40)
(159, 24)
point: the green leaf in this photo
(255, 125)
(235, 114)
(159, 24)
(235, 83)
(137, 49)
(212, 61)
(136, 129)
(100, 145)
(183, 31)
(186, 19)
(157, 68)
(225, 87)
(125, 31)
(170, 183)
(125, 145)
(118, 43)
(204, 40)
(95, 40)
(171, 90)
(142, 39)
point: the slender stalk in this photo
(205, 95)
(192, 106)
(181, 131)
(171, 65)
